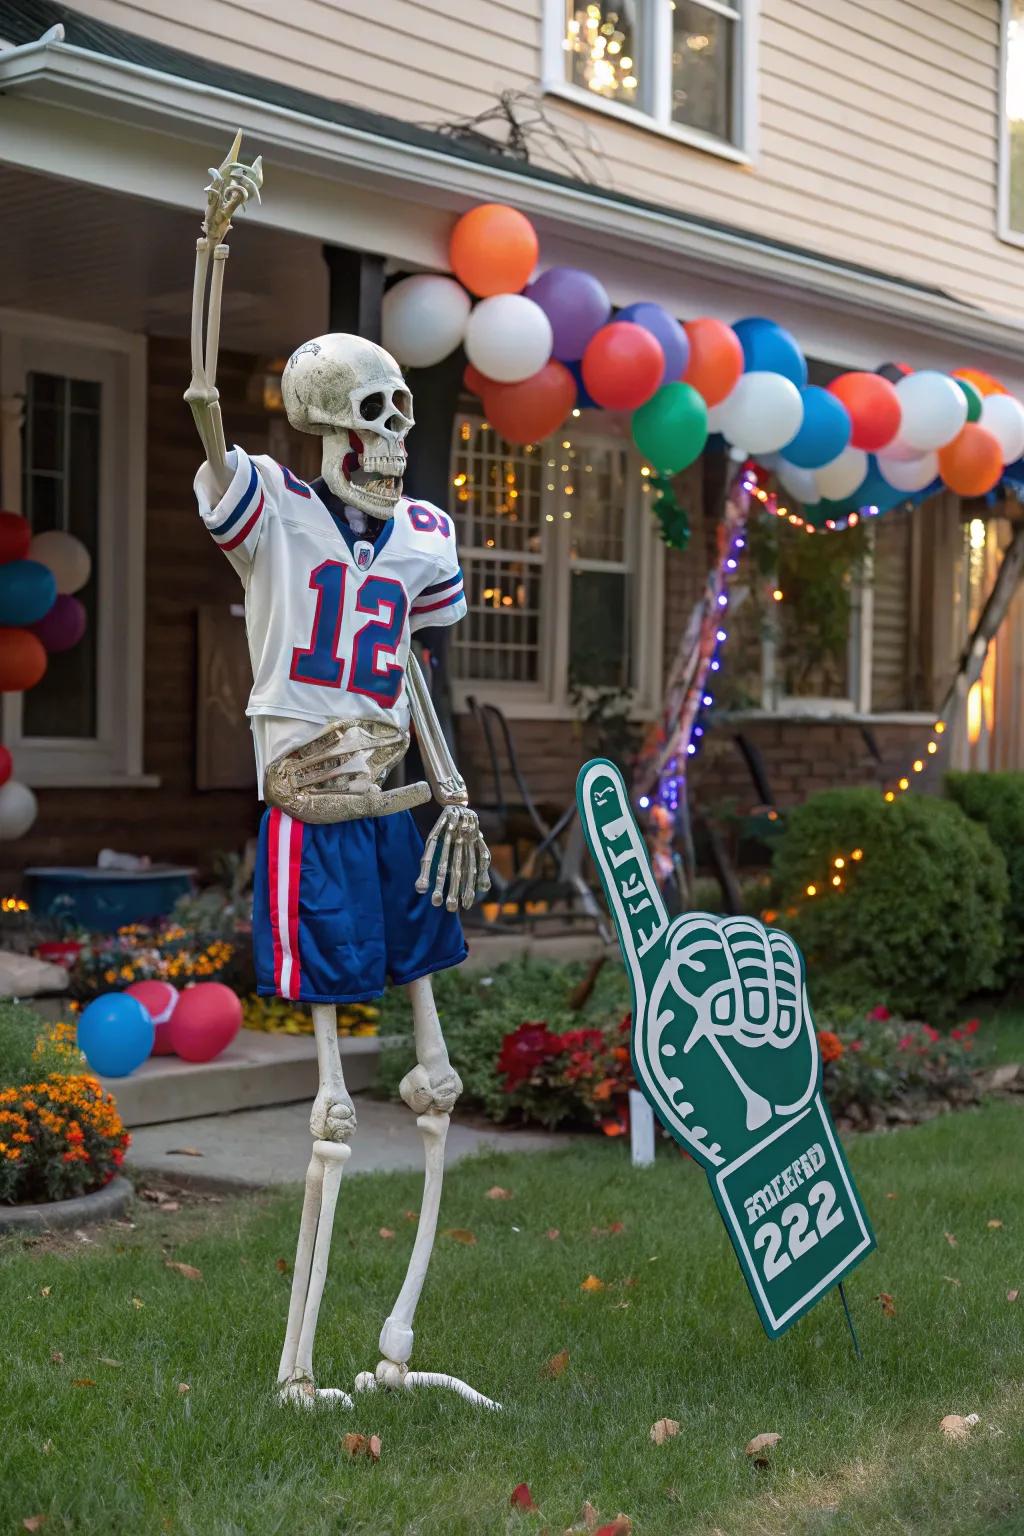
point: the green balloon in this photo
(974, 401)
(672, 427)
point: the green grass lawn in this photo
(672, 1334)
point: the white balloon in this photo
(909, 474)
(66, 556)
(800, 483)
(18, 810)
(842, 475)
(508, 337)
(763, 413)
(934, 409)
(1003, 415)
(423, 318)
(899, 448)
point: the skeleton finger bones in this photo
(232, 183)
(464, 851)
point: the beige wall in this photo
(878, 118)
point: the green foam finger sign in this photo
(725, 1050)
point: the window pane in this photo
(496, 490)
(602, 48)
(61, 490)
(597, 480)
(703, 46)
(1014, 108)
(599, 629)
(499, 640)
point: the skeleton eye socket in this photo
(403, 401)
(371, 407)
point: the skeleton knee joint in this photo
(423, 1091)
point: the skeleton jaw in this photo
(363, 476)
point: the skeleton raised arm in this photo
(232, 183)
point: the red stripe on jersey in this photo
(247, 528)
(273, 891)
(294, 880)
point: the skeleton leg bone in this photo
(431, 1089)
(332, 1123)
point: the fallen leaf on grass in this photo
(282, 1266)
(33, 1522)
(664, 1429)
(521, 1497)
(1012, 1295)
(592, 1283)
(170, 1206)
(955, 1427)
(587, 1520)
(83, 1381)
(950, 1239)
(556, 1366)
(952, 1279)
(620, 1306)
(552, 1233)
(138, 1303)
(56, 1357)
(497, 1193)
(44, 1290)
(622, 1525)
(411, 1215)
(183, 1387)
(460, 1235)
(183, 1152)
(189, 1271)
(46, 1447)
(385, 1232)
(888, 1303)
(993, 1225)
(758, 1448)
(612, 1230)
(362, 1445)
(891, 1195)
(115, 1365)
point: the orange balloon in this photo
(493, 249)
(973, 462)
(716, 359)
(984, 383)
(22, 660)
(533, 408)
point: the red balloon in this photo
(22, 660)
(15, 537)
(207, 1018)
(473, 380)
(973, 462)
(874, 408)
(159, 999)
(6, 765)
(623, 366)
(533, 408)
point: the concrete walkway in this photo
(257, 1147)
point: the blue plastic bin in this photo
(106, 899)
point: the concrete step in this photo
(255, 1070)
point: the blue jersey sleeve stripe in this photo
(442, 586)
(229, 522)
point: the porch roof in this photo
(149, 83)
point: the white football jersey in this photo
(329, 613)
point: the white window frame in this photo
(548, 698)
(48, 344)
(1004, 229)
(655, 60)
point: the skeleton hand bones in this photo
(464, 862)
(232, 183)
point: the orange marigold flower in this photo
(830, 1045)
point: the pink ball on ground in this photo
(159, 999)
(206, 1020)
(64, 625)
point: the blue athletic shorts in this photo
(336, 912)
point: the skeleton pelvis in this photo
(337, 776)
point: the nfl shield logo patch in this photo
(364, 554)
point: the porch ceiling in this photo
(86, 254)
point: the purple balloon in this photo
(63, 626)
(577, 306)
(674, 341)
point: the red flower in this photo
(881, 1013)
(830, 1045)
(523, 1051)
(625, 1023)
(856, 1045)
(956, 1034)
(972, 1026)
(932, 1034)
(581, 1040)
(905, 1043)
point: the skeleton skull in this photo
(351, 393)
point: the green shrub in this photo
(996, 800)
(27, 1049)
(919, 921)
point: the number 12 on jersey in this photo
(355, 630)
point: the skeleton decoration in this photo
(325, 790)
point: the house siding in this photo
(878, 119)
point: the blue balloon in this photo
(116, 1034)
(825, 431)
(666, 330)
(583, 399)
(28, 590)
(875, 491)
(767, 348)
